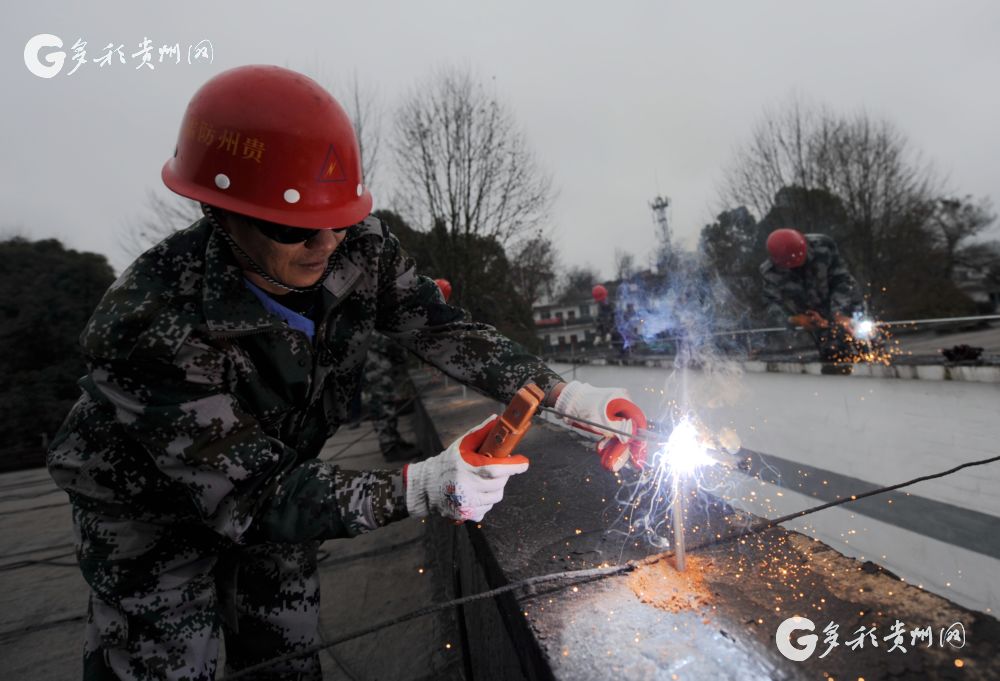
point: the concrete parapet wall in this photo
(562, 515)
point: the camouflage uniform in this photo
(190, 458)
(387, 384)
(822, 284)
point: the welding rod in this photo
(677, 511)
(640, 434)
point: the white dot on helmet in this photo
(361, 190)
(292, 196)
(222, 181)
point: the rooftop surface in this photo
(364, 580)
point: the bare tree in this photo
(867, 164)
(789, 146)
(364, 108)
(625, 267)
(462, 160)
(533, 268)
(953, 221)
(886, 192)
(577, 281)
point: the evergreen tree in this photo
(47, 294)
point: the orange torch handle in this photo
(513, 423)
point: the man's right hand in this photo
(610, 407)
(809, 320)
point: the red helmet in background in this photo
(445, 287)
(787, 248)
(600, 293)
(270, 143)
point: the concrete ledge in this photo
(974, 373)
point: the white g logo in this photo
(783, 636)
(53, 61)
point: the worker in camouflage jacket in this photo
(807, 285)
(221, 361)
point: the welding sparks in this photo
(679, 313)
(869, 341)
(862, 329)
(657, 499)
(684, 453)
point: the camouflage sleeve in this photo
(199, 436)
(845, 295)
(411, 310)
(320, 501)
(773, 307)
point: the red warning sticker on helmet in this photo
(333, 169)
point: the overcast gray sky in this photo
(620, 101)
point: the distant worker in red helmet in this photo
(445, 287)
(807, 285)
(605, 315)
(220, 363)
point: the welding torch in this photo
(513, 424)
(639, 434)
(515, 421)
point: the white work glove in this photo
(609, 407)
(459, 483)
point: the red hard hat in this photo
(600, 293)
(445, 287)
(270, 143)
(787, 248)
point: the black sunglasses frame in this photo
(284, 234)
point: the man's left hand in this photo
(460, 483)
(610, 407)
